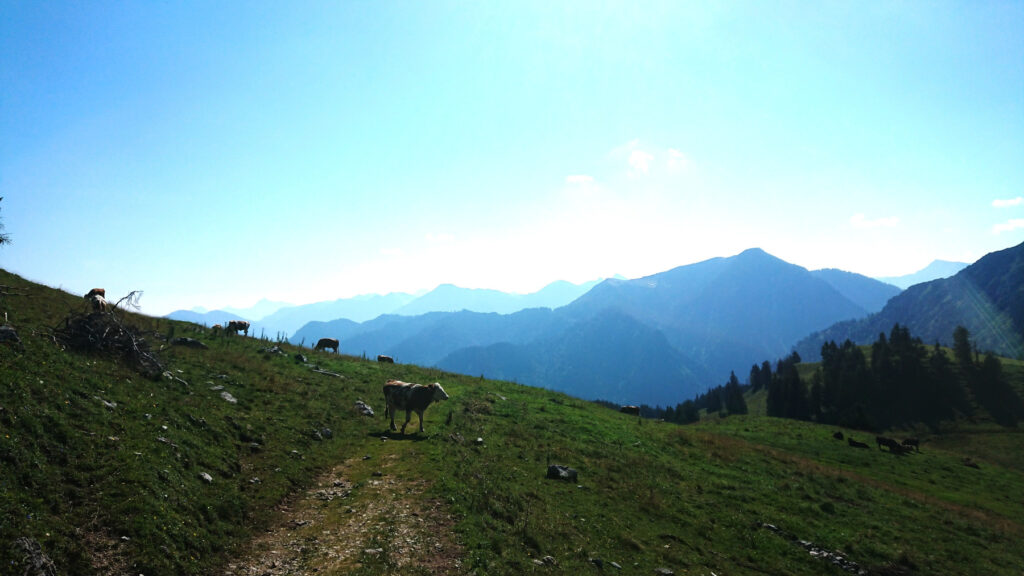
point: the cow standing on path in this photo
(400, 395)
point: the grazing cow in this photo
(889, 443)
(635, 410)
(325, 343)
(98, 303)
(855, 443)
(97, 298)
(385, 359)
(400, 395)
(96, 291)
(235, 325)
(908, 442)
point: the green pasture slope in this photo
(103, 468)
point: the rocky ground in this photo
(382, 525)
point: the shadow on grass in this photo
(392, 435)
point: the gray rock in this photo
(228, 397)
(363, 408)
(8, 334)
(559, 472)
(206, 477)
(189, 343)
(37, 563)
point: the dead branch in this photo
(108, 334)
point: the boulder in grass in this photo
(559, 472)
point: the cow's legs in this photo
(420, 414)
(408, 416)
(391, 409)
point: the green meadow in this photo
(111, 472)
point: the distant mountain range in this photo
(657, 340)
(259, 310)
(286, 319)
(934, 271)
(986, 297)
(664, 338)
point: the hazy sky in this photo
(213, 153)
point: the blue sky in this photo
(211, 154)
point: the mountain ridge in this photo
(715, 316)
(986, 297)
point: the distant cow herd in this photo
(892, 445)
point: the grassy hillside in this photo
(103, 468)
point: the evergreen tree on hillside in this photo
(787, 394)
(688, 412)
(994, 393)
(760, 376)
(962, 351)
(847, 384)
(945, 397)
(734, 402)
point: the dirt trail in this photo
(381, 525)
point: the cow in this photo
(235, 325)
(908, 442)
(385, 359)
(97, 298)
(838, 435)
(635, 410)
(400, 395)
(325, 343)
(855, 443)
(889, 443)
(98, 303)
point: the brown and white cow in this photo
(635, 410)
(385, 359)
(326, 343)
(99, 303)
(234, 326)
(400, 395)
(97, 298)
